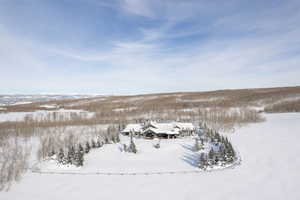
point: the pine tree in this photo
(231, 153)
(106, 140)
(98, 144)
(113, 139)
(51, 153)
(125, 149)
(201, 143)
(118, 138)
(211, 156)
(222, 139)
(78, 158)
(87, 147)
(222, 153)
(80, 148)
(217, 137)
(202, 161)
(61, 156)
(132, 147)
(196, 145)
(71, 154)
(93, 144)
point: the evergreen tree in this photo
(98, 144)
(230, 153)
(118, 138)
(222, 153)
(78, 158)
(93, 144)
(196, 145)
(125, 148)
(71, 154)
(87, 147)
(51, 153)
(222, 140)
(201, 143)
(113, 139)
(132, 147)
(80, 148)
(202, 161)
(61, 156)
(211, 156)
(217, 137)
(106, 140)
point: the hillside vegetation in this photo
(37, 135)
(222, 109)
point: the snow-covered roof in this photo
(185, 126)
(133, 127)
(163, 126)
(171, 128)
(173, 131)
(167, 128)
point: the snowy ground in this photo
(174, 155)
(270, 170)
(20, 116)
(18, 99)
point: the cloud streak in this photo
(166, 46)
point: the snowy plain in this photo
(39, 114)
(270, 170)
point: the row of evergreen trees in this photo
(220, 153)
(75, 153)
(131, 147)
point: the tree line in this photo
(220, 153)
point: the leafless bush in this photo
(285, 106)
(13, 161)
(226, 120)
(55, 138)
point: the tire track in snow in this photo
(37, 171)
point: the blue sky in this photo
(146, 46)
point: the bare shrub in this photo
(226, 120)
(283, 107)
(13, 161)
(55, 138)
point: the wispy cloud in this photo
(165, 46)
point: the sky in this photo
(147, 46)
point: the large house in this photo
(160, 130)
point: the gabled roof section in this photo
(172, 128)
(133, 127)
(163, 131)
(185, 126)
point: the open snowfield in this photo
(20, 116)
(270, 170)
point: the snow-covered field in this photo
(39, 114)
(174, 155)
(19, 99)
(270, 170)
